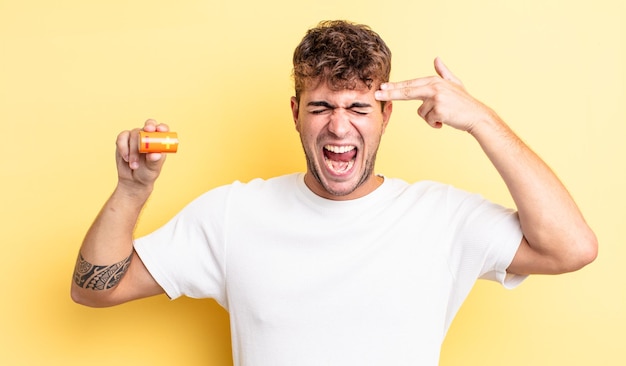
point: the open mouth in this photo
(339, 159)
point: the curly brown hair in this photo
(343, 54)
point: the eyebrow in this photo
(359, 105)
(322, 103)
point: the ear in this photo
(295, 109)
(387, 109)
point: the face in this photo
(340, 132)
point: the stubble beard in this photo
(315, 172)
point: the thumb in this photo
(154, 161)
(444, 72)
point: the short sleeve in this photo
(186, 255)
(488, 236)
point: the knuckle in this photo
(406, 91)
(122, 137)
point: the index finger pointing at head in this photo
(415, 89)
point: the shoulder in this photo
(435, 196)
(425, 189)
(279, 185)
(282, 181)
(254, 186)
(256, 192)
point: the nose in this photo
(339, 124)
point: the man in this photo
(339, 266)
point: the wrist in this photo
(488, 125)
(133, 193)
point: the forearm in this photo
(106, 251)
(110, 237)
(551, 222)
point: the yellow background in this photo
(75, 73)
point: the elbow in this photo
(562, 254)
(79, 297)
(589, 250)
(583, 251)
(82, 297)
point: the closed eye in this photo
(319, 107)
(319, 111)
(361, 108)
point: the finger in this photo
(133, 149)
(154, 160)
(445, 73)
(122, 145)
(428, 112)
(432, 119)
(423, 110)
(150, 125)
(406, 83)
(416, 89)
(162, 127)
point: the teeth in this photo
(339, 149)
(339, 167)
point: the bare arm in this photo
(108, 271)
(556, 237)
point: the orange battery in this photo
(158, 142)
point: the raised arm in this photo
(108, 271)
(556, 237)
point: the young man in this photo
(339, 265)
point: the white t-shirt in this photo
(311, 281)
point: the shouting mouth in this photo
(339, 159)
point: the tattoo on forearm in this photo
(90, 276)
